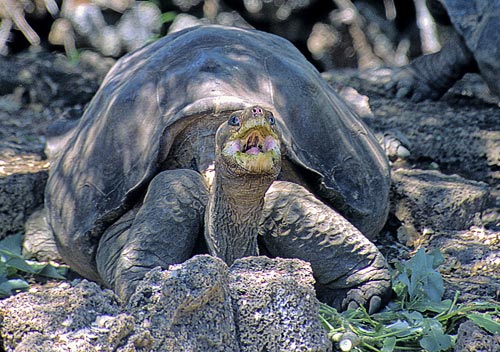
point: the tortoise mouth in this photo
(258, 140)
(256, 150)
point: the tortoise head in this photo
(248, 143)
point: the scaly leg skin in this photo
(348, 268)
(430, 76)
(160, 232)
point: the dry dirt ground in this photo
(460, 134)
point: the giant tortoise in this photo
(223, 140)
(473, 46)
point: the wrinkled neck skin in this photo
(233, 214)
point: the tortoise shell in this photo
(128, 128)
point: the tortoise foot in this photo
(372, 295)
(430, 76)
(368, 287)
(407, 83)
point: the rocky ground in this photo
(200, 305)
(445, 195)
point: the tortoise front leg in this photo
(162, 231)
(348, 268)
(430, 76)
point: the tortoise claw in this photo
(395, 145)
(372, 296)
(372, 307)
(375, 304)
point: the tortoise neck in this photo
(233, 215)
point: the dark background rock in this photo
(472, 262)
(428, 199)
(459, 134)
(20, 195)
(36, 88)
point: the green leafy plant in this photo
(168, 17)
(418, 319)
(14, 268)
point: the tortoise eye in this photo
(234, 120)
(272, 121)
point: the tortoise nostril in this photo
(257, 111)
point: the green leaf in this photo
(429, 306)
(167, 17)
(419, 277)
(3, 269)
(7, 287)
(424, 277)
(398, 325)
(434, 339)
(414, 317)
(19, 264)
(437, 257)
(485, 321)
(12, 244)
(12, 262)
(389, 344)
(403, 328)
(53, 272)
(433, 286)
(405, 281)
(417, 323)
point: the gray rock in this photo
(275, 306)
(61, 318)
(473, 338)
(200, 305)
(429, 199)
(187, 308)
